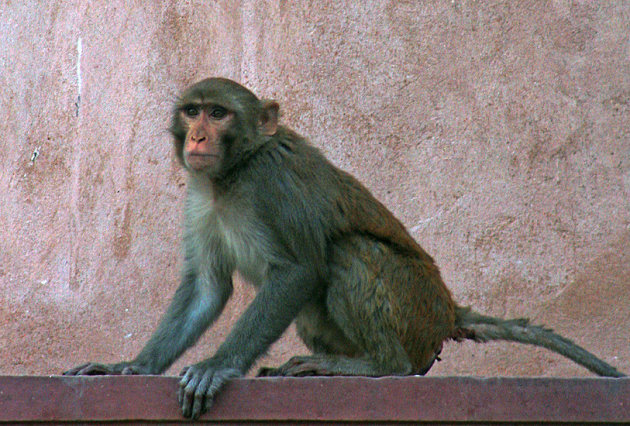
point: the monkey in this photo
(321, 251)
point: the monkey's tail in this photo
(482, 328)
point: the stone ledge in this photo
(141, 399)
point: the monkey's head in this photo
(217, 122)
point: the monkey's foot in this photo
(95, 369)
(299, 366)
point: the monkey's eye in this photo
(191, 111)
(218, 112)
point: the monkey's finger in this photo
(265, 372)
(130, 370)
(303, 369)
(92, 369)
(213, 388)
(271, 372)
(180, 395)
(217, 383)
(200, 400)
(188, 397)
(75, 370)
(182, 384)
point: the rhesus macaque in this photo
(321, 250)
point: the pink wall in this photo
(499, 133)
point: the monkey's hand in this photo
(200, 383)
(94, 369)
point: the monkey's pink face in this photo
(206, 126)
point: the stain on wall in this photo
(498, 132)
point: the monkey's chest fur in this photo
(221, 228)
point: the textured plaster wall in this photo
(498, 132)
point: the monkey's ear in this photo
(268, 122)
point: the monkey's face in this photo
(206, 127)
(217, 122)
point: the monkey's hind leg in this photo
(322, 336)
(334, 354)
(358, 306)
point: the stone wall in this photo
(498, 132)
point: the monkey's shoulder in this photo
(291, 173)
(336, 199)
(288, 148)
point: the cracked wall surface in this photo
(498, 132)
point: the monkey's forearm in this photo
(195, 306)
(276, 305)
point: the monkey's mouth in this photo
(196, 154)
(198, 161)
